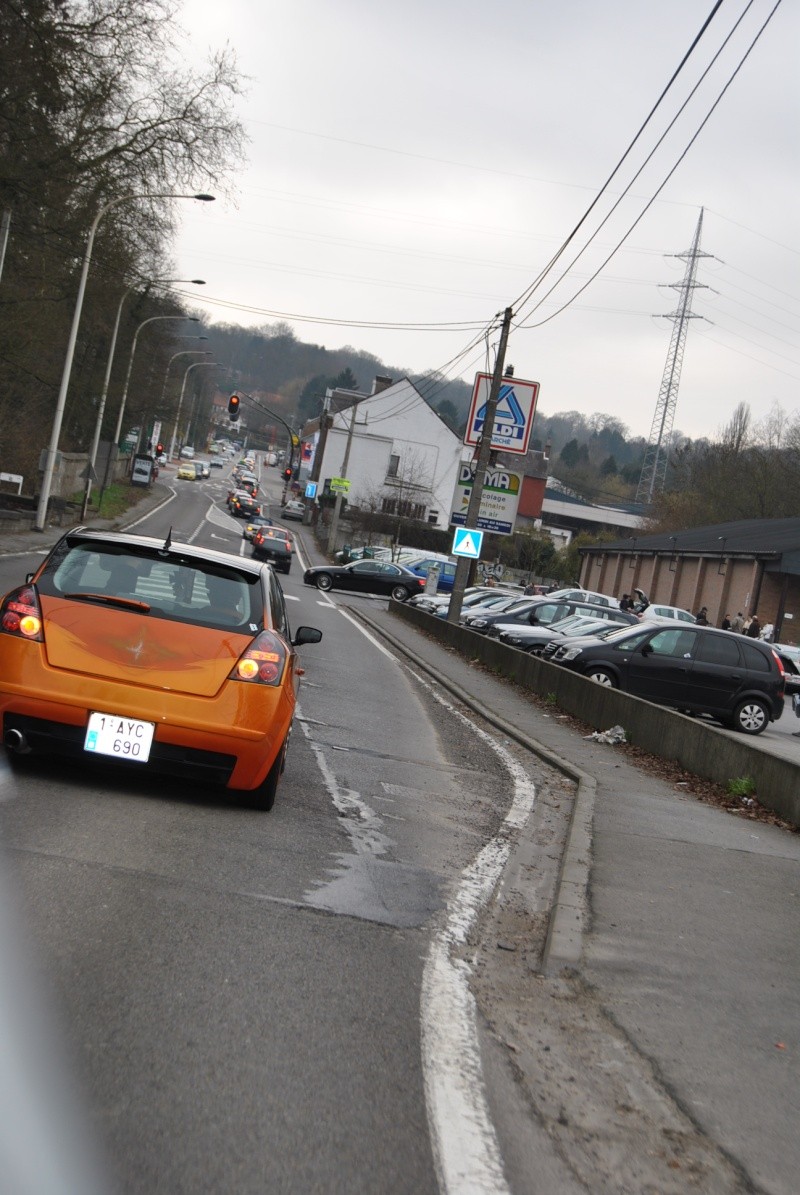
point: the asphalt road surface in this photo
(242, 991)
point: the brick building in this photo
(752, 565)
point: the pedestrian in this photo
(702, 616)
(737, 623)
(754, 630)
(625, 602)
(725, 625)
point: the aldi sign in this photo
(516, 407)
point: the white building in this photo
(398, 454)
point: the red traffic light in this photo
(287, 473)
(233, 406)
(159, 449)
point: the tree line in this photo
(96, 104)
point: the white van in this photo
(187, 453)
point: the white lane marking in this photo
(155, 510)
(463, 1139)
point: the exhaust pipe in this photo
(15, 741)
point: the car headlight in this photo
(476, 622)
(568, 653)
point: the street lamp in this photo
(191, 318)
(189, 368)
(101, 409)
(52, 450)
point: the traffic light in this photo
(287, 473)
(233, 407)
(159, 449)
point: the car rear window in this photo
(169, 586)
(759, 661)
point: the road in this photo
(282, 1002)
(243, 991)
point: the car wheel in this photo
(263, 797)
(400, 593)
(325, 582)
(603, 677)
(534, 651)
(752, 716)
(288, 569)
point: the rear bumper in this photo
(59, 738)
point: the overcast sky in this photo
(420, 163)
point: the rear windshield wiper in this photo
(110, 599)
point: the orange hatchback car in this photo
(155, 655)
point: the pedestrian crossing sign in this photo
(467, 542)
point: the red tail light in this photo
(21, 616)
(263, 662)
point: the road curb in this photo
(569, 915)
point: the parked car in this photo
(702, 670)
(275, 545)
(155, 656)
(659, 613)
(576, 594)
(366, 576)
(473, 596)
(534, 640)
(447, 571)
(293, 509)
(790, 658)
(533, 611)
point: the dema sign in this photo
(513, 420)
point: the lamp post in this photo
(153, 318)
(52, 450)
(90, 477)
(189, 368)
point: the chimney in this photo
(382, 382)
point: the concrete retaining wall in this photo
(698, 747)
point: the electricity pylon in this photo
(654, 469)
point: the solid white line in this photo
(464, 1143)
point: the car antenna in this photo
(167, 544)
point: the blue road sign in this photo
(311, 489)
(467, 542)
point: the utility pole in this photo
(325, 421)
(337, 507)
(484, 457)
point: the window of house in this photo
(394, 466)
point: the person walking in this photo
(737, 623)
(625, 602)
(725, 625)
(701, 618)
(754, 630)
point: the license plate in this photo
(124, 738)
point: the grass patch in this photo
(742, 786)
(117, 498)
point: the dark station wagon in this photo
(699, 670)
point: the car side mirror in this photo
(306, 635)
(647, 649)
